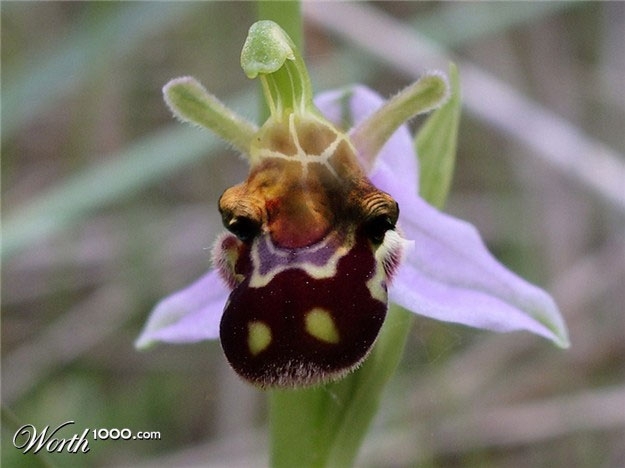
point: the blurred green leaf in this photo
(474, 20)
(143, 163)
(287, 14)
(436, 144)
(104, 33)
(117, 176)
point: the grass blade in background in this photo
(143, 163)
(104, 33)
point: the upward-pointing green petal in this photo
(428, 93)
(190, 102)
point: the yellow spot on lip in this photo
(320, 324)
(258, 337)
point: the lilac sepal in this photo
(189, 315)
(450, 275)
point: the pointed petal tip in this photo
(560, 336)
(143, 342)
(187, 316)
(451, 276)
(546, 313)
(562, 341)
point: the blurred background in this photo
(108, 205)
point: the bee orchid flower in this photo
(328, 227)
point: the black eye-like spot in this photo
(376, 227)
(379, 214)
(246, 229)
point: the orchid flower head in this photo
(326, 228)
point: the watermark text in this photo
(29, 440)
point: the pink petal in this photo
(450, 275)
(189, 315)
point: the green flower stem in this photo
(325, 426)
(288, 14)
(367, 387)
(190, 102)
